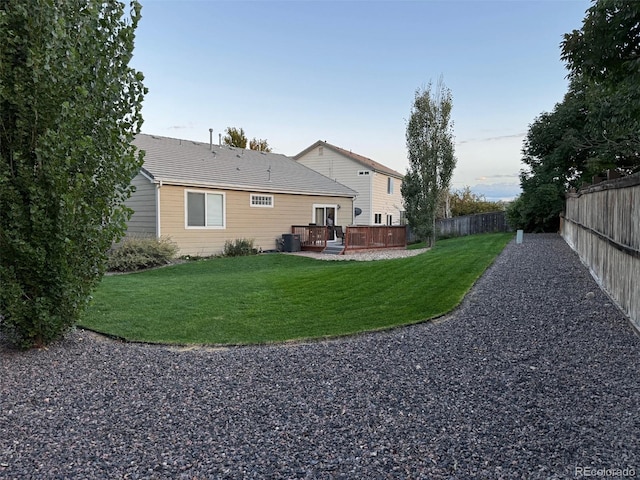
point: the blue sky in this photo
(346, 72)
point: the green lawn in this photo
(271, 298)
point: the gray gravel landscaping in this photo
(536, 375)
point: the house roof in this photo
(189, 163)
(367, 162)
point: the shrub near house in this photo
(140, 253)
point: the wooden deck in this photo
(314, 238)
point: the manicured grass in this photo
(275, 297)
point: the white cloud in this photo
(497, 191)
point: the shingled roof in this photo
(189, 163)
(367, 162)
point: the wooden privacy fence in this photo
(602, 224)
(472, 224)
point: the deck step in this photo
(334, 249)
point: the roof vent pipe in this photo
(219, 139)
(211, 139)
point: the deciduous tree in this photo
(465, 202)
(604, 57)
(235, 137)
(431, 158)
(260, 145)
(69, 108)
(555, 159)
(595, 127)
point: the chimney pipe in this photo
(219, 139)
(211, 139)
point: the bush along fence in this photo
(602, 224)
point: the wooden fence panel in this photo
(602, 224)
(472, 224)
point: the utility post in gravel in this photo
(431, 159)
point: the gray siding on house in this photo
(143, 202)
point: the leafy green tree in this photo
(235, 137)
(556, 159)
(431, 158)
(69, 108)
(604, 56)
(465, 202)
(260, 145)
(595, 127)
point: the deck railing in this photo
(314, 237)
(369, 237)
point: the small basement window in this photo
(262, 201)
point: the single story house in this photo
(201, 195)
(379, 199)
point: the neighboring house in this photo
(202, 195)
(379, 196)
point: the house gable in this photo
(321, 146)
(379, 195)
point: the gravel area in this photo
(365, 256)
(536, 375)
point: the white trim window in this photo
(363, 173)
(390, 185)
(264, 201)
(204, 209)
(377, 219)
